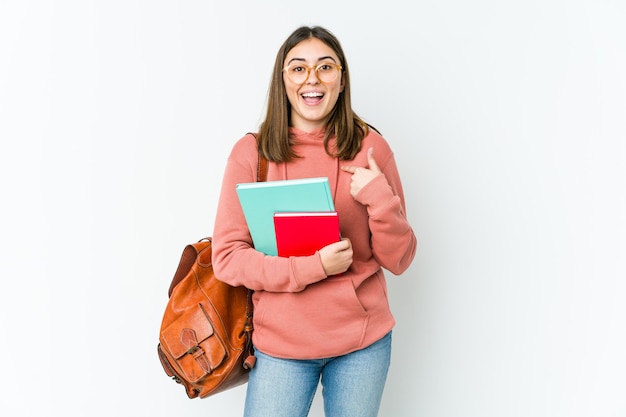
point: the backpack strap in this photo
(250, 359)
(261, 171)
(261, 174)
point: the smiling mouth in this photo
(312, 97)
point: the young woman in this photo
(326, 315)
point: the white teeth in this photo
(312, 95)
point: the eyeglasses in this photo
(325, 72)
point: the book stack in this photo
(290, 217)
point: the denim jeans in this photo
(352, 384)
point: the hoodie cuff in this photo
(307, 270)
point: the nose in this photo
(312, 77)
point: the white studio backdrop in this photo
(508, 120)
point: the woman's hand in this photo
(362, 176)
(336, 257)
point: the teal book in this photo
(260, 200)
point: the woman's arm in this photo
(380, 190)
(235, 260)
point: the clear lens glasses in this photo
(325, 72)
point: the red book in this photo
(304, 233)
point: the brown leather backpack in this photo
(205, 342)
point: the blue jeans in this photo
(352, 384)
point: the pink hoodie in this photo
(299, 313)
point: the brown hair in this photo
(343, 123)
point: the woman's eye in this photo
(297, 69)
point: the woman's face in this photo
(312, 99)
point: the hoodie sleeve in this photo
(393, 242)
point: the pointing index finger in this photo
(371, 161)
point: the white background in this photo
(508, 120)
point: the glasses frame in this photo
(338, 67)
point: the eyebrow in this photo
(318, 59)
